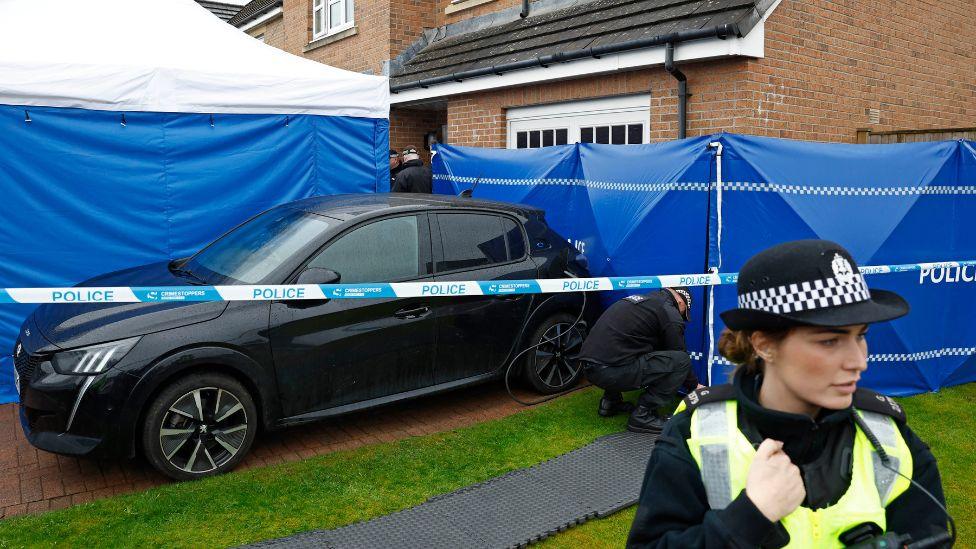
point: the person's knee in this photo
(680, 359)
(598, 378)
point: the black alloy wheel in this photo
(200, 426)
(551, 367)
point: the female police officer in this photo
(778, 457)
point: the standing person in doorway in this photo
(639, 343)
(395, 167)
(792, 452)
(414, 176)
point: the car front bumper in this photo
(72, 415)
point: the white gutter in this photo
(263, 19)
(751, 45)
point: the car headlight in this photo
(89, 361)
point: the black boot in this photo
(645, 420)
(665, 412)
(610, 408)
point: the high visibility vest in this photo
(724, 455)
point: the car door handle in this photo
(303, 303)
(412, 313)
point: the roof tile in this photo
(596, 23)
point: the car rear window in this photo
(516, 242)
(477, 240)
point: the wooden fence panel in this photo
(915, 136)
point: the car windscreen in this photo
(254, 250)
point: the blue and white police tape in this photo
(947, 270)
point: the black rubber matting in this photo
(512, 510)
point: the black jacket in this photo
(393, 174)
(673, 509)
(413, 177)
(634, 326)
(637, 325)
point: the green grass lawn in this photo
(343, 487)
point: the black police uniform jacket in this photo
(393, 174)
(673, 509)
(413, 177)
(636, 325)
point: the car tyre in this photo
(551, 367)
(201, 425)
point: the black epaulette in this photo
(718, 393)
(866, 399)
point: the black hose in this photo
(508, 370)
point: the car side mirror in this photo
(315, 275)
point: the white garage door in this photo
(612, 120)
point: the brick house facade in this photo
(819, 70)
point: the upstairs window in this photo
(331, 16)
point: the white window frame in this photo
(606, 111)
(321, 24)
(542, 126)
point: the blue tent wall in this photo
(84, 194)
(627, 221)
(887, 204)
(643, 210)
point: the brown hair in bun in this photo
(736, 346)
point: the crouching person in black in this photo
(639, 343)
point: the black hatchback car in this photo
(189, 384)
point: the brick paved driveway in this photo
(34, 481)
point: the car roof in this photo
(349, 206)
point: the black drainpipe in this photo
(682, 90)
(525, 9)
(720, 31)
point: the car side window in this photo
(381, 251)
(516, 242)
(476, 240)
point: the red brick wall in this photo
(474, 11)
(826, 64)
(298, 24)
(478, 119)
(408, 126)
(273, 31)
(408, 19)
(367, 49)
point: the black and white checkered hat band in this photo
(805, 296)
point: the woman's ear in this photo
(763, 345)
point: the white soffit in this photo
(751, 45)
(263, 19)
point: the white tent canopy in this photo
(164, 56)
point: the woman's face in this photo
(820, 367)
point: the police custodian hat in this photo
(811, 283)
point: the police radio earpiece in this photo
(869, 535)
